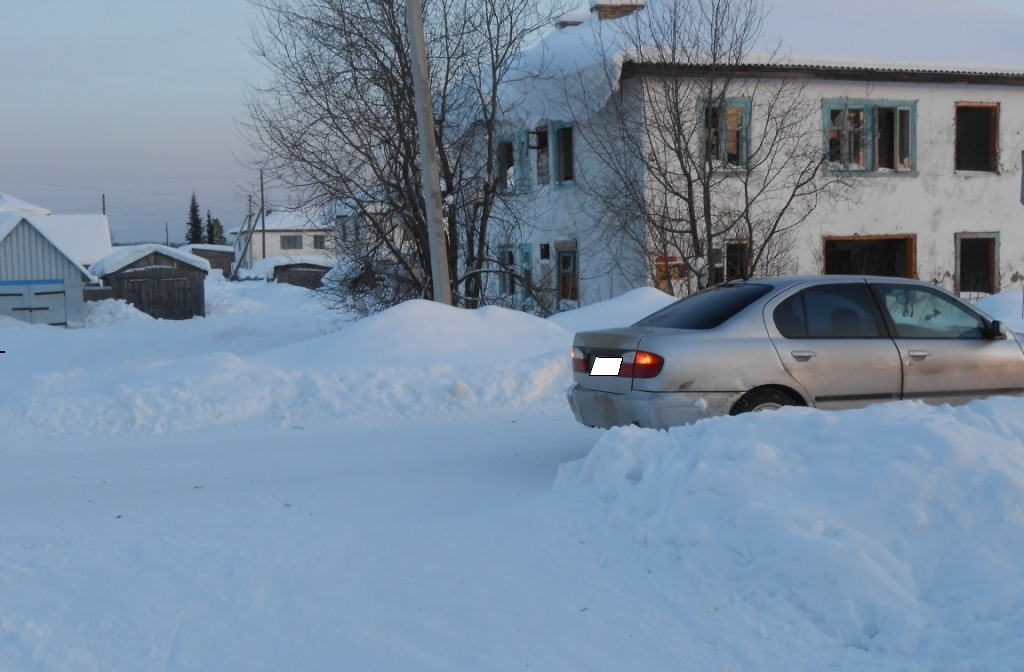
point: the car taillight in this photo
(644, 365)
(579, 360)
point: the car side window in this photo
(828, 311)
(922, 312)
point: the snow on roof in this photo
(84, 238)
(189, 249)
(11, 218)
(124, 256)
(291, 220)
(927, 36)
(264, 268)
(11, 203)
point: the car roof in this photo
(782, 282)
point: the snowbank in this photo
(897, 529)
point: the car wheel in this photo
(764, 399)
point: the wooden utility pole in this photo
(263, 216)
(428, 154)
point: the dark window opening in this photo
(319, 242)
(889, 257)
(978, 264)
(568, 276)
(976, 137)
(545, 251)
(563, 136)
(543, 156)
(505, 179)
(507, 277)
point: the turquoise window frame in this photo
(723, 139)
(870, 108)
(554, 154)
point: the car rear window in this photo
(707, 309)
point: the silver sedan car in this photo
(831, 342)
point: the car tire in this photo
(764, 399)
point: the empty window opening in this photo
(505, 179)
(889, 256)
(543, 155)
(545, 251)
(568, 275)
(893, 138)
(563, 136)
(977, 266)
(976, 137)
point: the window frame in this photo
(994, 237)
(558, 154)
(994, 111)
(568, 291)
(319, 241)
(723, 129)
(871, 136)
(506, 270)
(290, 238)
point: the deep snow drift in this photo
(278, 487)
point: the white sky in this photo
(135, 100)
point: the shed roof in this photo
(9, 219)
(125, 256)
(11, 203)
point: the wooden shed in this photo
(306, 275)
(40, 282)
(219, 256)
(158, 280)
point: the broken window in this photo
(890, 256)
(846, 139)
(870, 136)
(977, 263)
(977, 132)
(505, 180)
(726, 130)
(507, 273)
(563, 154)
(540, 144)
(568, 275)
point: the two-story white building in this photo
(918, 106)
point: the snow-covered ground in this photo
(275, 487)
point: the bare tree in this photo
(337, 125)
(709, 157)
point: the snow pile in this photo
(621, 311)
(112, 311)
(893, 529)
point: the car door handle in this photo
(803, 355)
(918, 354)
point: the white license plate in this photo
(606, 366)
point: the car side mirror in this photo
(996, 332)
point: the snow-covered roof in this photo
(84, 238)
(264, 268)
(125, 256)
(947, 37)
(291, 220)
(189, 249)
(11, 203)
(11, 218)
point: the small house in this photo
(158, 280)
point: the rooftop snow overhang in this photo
(929, 74)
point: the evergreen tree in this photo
(214, 231)
(209, 229)
(195, 223)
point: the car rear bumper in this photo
(656, 410)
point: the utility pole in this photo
(104, 197)
(167, 234)
(263, 216)
(428, 154)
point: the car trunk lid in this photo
(606, 348)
